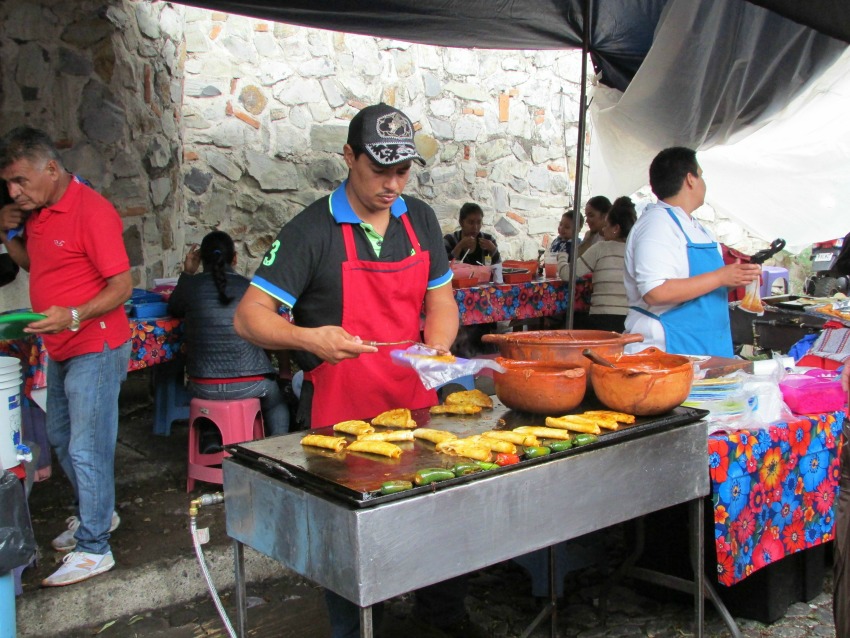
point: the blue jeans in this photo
(272, 405)
(82, 427)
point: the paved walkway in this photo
(499, 602)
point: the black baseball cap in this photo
(386, 133)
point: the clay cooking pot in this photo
(560, 348)
(539, 388)
(647, 383)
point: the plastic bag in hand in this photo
(435, 369)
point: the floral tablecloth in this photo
(154, 341)
(773, 492)
(489, 303)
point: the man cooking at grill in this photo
(676, 283)
(360, 265)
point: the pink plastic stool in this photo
(769, 276)
(238, 421)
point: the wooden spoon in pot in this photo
(590, 354)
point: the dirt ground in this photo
(150, 485)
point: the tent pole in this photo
(582, 119)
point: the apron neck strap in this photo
(351, 249)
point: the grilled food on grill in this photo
(398, 418)
(335, 443)
(469, 397)
(621, 417)
(435, 436)
(543, 433)
(495, 445)
(456, 409)
(461, 447)
(354, 427)
(514, 437)
(375, 447)
(573, 423)
(392, 435)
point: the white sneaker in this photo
(79, 566)
(66, 542)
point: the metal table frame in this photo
(372, 554)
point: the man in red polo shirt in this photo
(72, 247)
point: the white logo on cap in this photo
(395, 126)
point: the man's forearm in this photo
(258, 322)
(441, 317)
(118, 290)
(675, 291)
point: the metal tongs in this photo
(766, 253)
(396, 343)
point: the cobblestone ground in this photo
(500, 602)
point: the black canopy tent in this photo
(621, 31)
(616, 35)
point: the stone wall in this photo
(105, 81)
(266, 111)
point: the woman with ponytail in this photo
(221, 365)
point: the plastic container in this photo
(469, 271)
(464, 282)
(514, 277)
(141, 296)
(805, 394)
(550, 265)
(10, 411)
(150, 310)
(529, 265)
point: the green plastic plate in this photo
(12, 324)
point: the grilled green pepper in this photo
(535, 451)
(462, 469)
(484, 465)
(392, 487)
(429, 475)
(559, 446)
(584, 439)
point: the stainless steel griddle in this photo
(356, 477)
(328, 526)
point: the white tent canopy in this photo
(779, 174)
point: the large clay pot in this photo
(647, 383)
(560, 347)
(539, 388)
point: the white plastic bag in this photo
(435, 370)
(763, 400)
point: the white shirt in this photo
(605, 260)
(656, 251)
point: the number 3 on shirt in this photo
(269, 259)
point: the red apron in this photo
(383, 302)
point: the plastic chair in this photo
(237, 421)
(770, 275)
(171, 399)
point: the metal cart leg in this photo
(550, 609)
(239, 584)
(698, 563)
(366, 622)
(700, 586)
(553, 593)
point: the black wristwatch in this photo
(75, 320)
